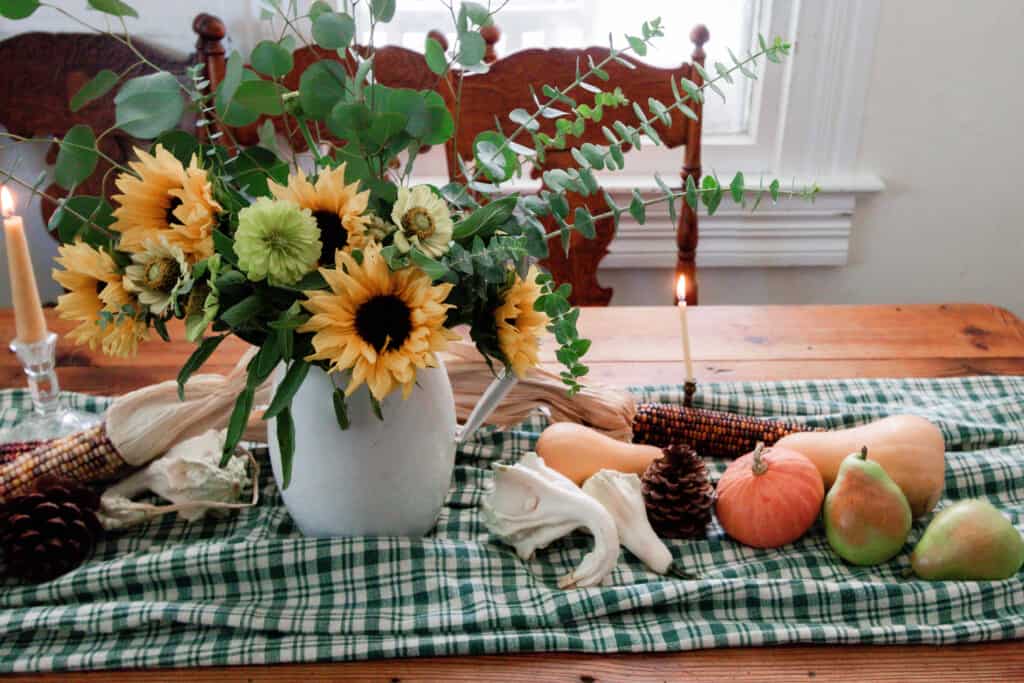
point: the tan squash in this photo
(909, 448)
(579, 452)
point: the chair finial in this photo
(491, 35)
(209, 27)
(698, 36)
(440, 38)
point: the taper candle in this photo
(29, 323)
(681, 305)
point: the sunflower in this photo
(86, 274)
(165, 199)
(423, 220)
(338, 208)
(94, 288)
(158, 275)
(379, 324)
(519, 326)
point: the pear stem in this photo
(760, 466)
(863, 455)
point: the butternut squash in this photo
(579, 452)
(909, 448)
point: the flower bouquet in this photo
(336, 263)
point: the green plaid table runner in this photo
(249, 589)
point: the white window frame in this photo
(805, 127)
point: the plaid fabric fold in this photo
(247, 588)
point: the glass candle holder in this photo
(49, 419)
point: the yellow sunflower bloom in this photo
(519, 326)
(163, 199)
(94, 286)
(380, 325)
(338, 209)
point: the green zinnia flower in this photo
(277, 241)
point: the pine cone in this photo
(678, 493)
(50, 531)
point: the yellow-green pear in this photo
(867, 517)
(969, 540)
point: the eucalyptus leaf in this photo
(148, 105)
(114, 7)
(334, 30)
(471, 48)
(67, 224)
(523, 118)
(383, 10)
(98, 86)
(77, 157)
(434, 54)
(271, 58)
(637, 208)
(321, 86)
(584, 223)
(18, 9)
(260, 96)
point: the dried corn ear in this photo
(711, 433)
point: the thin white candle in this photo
(681, 305)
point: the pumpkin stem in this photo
(760, 466)
(863, 455)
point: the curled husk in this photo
(532, 506)
(189, 475)
(622, 496)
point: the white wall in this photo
(941, 127)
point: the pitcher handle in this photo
(488, 402)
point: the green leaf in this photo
(334, 30)
(271, 58)
(286, 445)
(773, 189)
(434, 54)
(493, 156)
(319, 7)
(285, 392)
(584, 223)
(434, 269)
(375, 406)
(69, 226)
(477, 13)
(262, 97)
(523, 118)
(98, 86)
(148, 105)
(115, 7)
(254, 167)
(321, 86)
(18, 9)
(243, 312)
(691, 192)
(712, 195)
(485, 220)
(471, 48)
(340, 409)
(637, 208)
(736, 187)
(179, 143)
(383, 10)
(638, 45)
(225, 246)
(236, 423)
(196, 360)
(77, 157)
(230, 112)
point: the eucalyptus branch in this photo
(62, 204)
(62, 143)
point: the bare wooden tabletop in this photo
(641, 345)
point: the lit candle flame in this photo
(681, 289)
(6, 201)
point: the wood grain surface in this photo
(640, 345)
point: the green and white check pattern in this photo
(248, 588)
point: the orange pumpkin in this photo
(769, 497)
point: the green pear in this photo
(867, 517)
(969, 540)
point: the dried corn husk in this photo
(138, 427)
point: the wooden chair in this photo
(506, 86)
(41, 71)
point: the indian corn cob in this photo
(711, 433)
(83, 456)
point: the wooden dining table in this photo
(636, 346)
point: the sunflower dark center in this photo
(162, 275)
(333, 235)
(100, 286)
(384, 321)
(171, 208)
